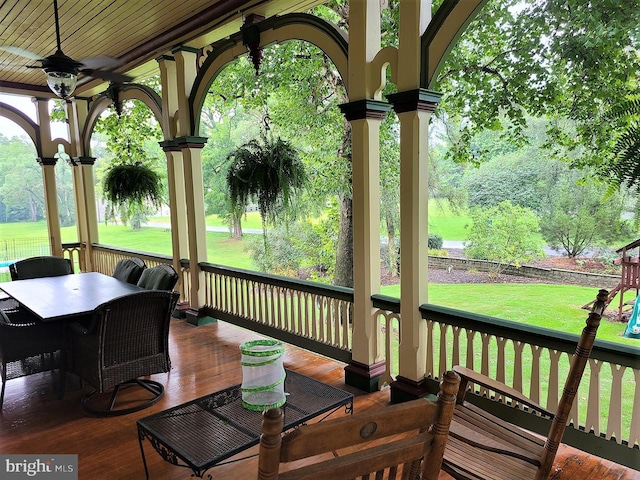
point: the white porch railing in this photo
(530, 359)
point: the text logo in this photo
(49, 467)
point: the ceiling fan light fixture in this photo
(62, 83)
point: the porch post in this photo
(194, 187)
(366, 364)
(413, 107)
(48, 165)
(48, 162)
(86, 197)
(175, 164)
(83, 181)
(365, 115)
(179, 122)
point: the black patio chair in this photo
(160, 277)
(28, 346)
(129, 270)
(38, 267)
(130, 340)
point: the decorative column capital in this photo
(169, 145)
(78, 161)
(415, 100)
(361, 109)
(190, 142)
(47, 161)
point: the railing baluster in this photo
(553, 382)
(634, 431)
(614, 418)
(592, 421)
(534, 388)
(430, 367)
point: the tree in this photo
(505, 234)
(576, 217)
(624, 167)
(132, 138)
(562, 60)
(21, 189)
(515, 177)
(302, 106)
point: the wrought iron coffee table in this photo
(202, 433)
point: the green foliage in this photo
(434, 242)
(269, 171)
(517, 178)
(624, 167)
(556, 60)
(131, 181)
(134, 183)
(287, 250)
(503, 234)
(21, 189)
(576, 217)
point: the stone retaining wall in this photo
(550, 274)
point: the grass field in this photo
(550, 306)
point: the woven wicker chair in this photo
(28, 346)
(160, 277)
(130, 340)
(129, 270)
(38, 267)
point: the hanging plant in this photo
(267, 170)
(132, 183)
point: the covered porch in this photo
(357, 328)
(209, 361)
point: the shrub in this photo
(435, 241)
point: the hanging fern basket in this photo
(132, 182)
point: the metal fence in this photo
(18, 248)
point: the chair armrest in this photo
(468, 375)
(76, 328)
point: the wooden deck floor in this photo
(205, 359)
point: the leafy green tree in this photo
(516, 178)
(302, 108)
(21, 188)
(624, 167)
(575, 216)
(563, 60)
(505, 233)
(131, 137)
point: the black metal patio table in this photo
(204, 432)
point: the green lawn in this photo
(550, 306)
(557, 307)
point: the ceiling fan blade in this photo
(107, 75)
(21, 52)
(100, 62)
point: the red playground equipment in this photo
(630, 278)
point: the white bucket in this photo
(262, 375)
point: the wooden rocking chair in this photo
(405, 441)
(482, 446)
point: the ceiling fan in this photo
(62, 71)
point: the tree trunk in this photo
(344, 256)
(392, 252)
(236, 226)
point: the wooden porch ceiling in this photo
(135, 32)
